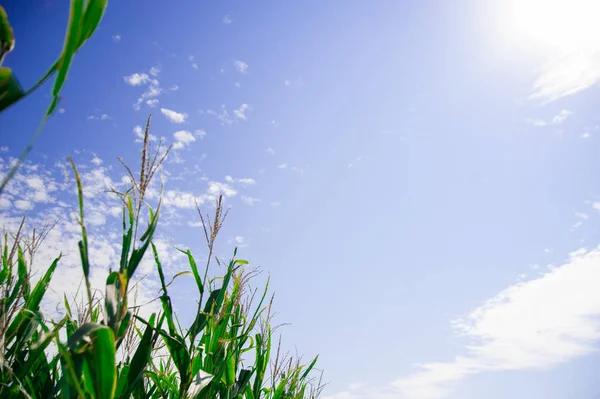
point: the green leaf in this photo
(23, 274)
(179, 353)
(102, 363)
(10, 89)
(194, 268)
(142, 356)
(22, 322)
(81, 338)
(138, 254)
(123, 325)
(7, 38)
(243, 380)
(310, 367)
(94, 10)
(69, 49)
(112, 300)
(127, 235)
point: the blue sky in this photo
(420, 179)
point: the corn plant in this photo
(84, 18)
(225, 353)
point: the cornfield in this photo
(102, 348)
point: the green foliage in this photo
(224, 353)
(84, 18)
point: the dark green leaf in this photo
(10, 88)
(102, 363)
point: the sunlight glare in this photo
(563, 25)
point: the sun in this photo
(564, 25)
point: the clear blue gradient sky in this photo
(419, 178)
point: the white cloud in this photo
(24, 205)
(537, 122)
(139, 134)
(287, 82)
(153, 88)
(116, 38)
(195, 66)
(218, 188)
(223, 116)
(4, 203)
(241, 112)
(174, 88)
(154, 71)
(182, 139)
(241, 66)
(245, 181)
(531, 325)
(227, 19)
(36, 183)
(582, 215)
(561, 116)
(199, 133)
(137, 79)
(4, 148)
(270, 150)
(250, 201)
(172, 116)
(96, 161)
(61, 110)
(557, 119)
(567, 74)
(282, 166)
(102, 117)
(239, 239)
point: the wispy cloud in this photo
(173, 116)
(250, 200)
(155, 71)
(245, 181)
(116, 38)
(192, 59)
(182, 138)
(102, 117)
(537, 122)
(567, 74)
(153, 88)
(137, 79)
(557, 119)
(531, 325)
(561, 116)
(270, 150)
(240, 113)
(200, 133)
(241, 66)
(139, 134)
(227, 19)
(225, 117)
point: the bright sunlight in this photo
(563, 25)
